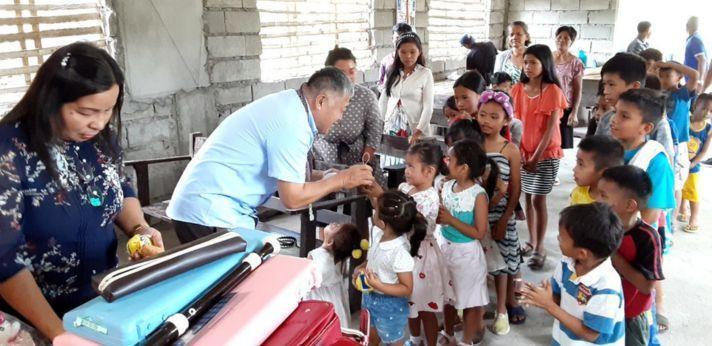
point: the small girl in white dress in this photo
(331, 260)
(431, 289)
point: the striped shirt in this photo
(595, 298)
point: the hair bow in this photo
(497, 96)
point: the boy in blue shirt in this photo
(678, 111)
(637, 112)
(585, 295)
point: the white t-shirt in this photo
(387, 259)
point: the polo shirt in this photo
(642, 249)
(238, 167)
(595, 298)
(694, 47)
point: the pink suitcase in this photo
(257, 306)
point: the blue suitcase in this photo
(128, 320)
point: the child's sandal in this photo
(446, 340)
(500, 326)
(683, 218)
(691, 228)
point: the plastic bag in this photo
(14, 332)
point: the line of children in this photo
(486, 175)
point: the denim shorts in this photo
(389, 315)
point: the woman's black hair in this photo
(394, 71)
(399, 211)
(71, 72)
(402, 28)
(524, 27)
(569, 30)
(337, 54)
(501, 77)
(543, 54)
(450, 103)
(431, 154)
(345, 241)
(472, 80)
(469, 152)
(463, 129)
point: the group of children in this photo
(436, 239)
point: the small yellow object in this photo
(357, 253)
(137, 242)
(364, 244)
(361, 284)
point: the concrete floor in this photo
(687, 277)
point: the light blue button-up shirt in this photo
(238, 167)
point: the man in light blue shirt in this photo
(258, 150)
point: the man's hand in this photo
(355, 176)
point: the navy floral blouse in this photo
(62, 229)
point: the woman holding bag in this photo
(407, 101)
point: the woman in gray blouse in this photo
(356, 137)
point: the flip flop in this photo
(683, 218)
(536, 262)
(663, 324)
(517, 315)
(527, 249)
(691, 228)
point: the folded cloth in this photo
(118, 282)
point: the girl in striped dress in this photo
(494, 114)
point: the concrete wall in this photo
(593, 19)
(189, 64)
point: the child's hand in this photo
(530, 166)
(373, 280)
(539, 296)
(372, 191)
(444, 216)
(500, 229)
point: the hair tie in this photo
(65, 60)
(357, 253)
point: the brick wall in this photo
(254, 48)
(297, 35)
(593, 19)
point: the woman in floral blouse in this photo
(354, 138)
(62, 187)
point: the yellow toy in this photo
(361, 284)
(136, 243)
